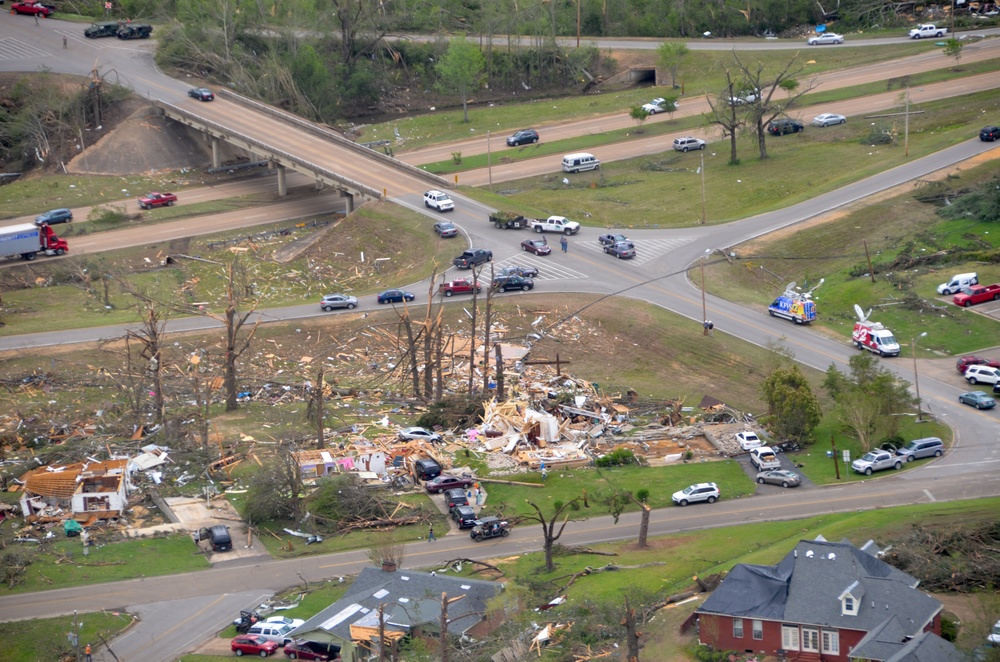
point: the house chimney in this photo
(388, 566)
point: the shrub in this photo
(617, 458)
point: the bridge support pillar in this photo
(348, 202)
(319, 184)
(282, 183)
(216, 157)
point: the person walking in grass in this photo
(430, 534)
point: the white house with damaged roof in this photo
(825, 601)
(411, 604)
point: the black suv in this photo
(455, 497)
(472, 257)
(464, 516)
(783, 125)
(504, 283)
(523, 136)
(989, 133)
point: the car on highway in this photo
(447, 482)
(876, 460)
(783, 125)
(744, 97)
(687, 143)
(982, 374)
(529, 136)
(412, 433)
(444, 229)
(707, 492)
(977, 399)
(253, 644)
(963, 362)
(826, 119)
(921, 448)
(151, 200)
(504, 283)
(331, 301)
(394, 296)
(623, 250)
(659, 105)
(748, 440)
(464, 516)
(201, 94)
(54, 216)
(611, 239)
(781, 477)
(517, 270)
(439, 200)
(536, 246)
(825, 38)
(989, 133)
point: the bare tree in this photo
(616, 506)
(766, 105)
(727, 114)
(150, 336)
(385, 549)
(241, 303)
(552, 530)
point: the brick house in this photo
(817, 604)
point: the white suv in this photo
(698, 492)
(438, 200)
(982, 374)
(688, 143)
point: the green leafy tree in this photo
(640, 116)
(870, 400)
(793, 411)
(953, 48)
(461, 70)
(671, 56)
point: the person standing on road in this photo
(564, 242)
(430, 534)
(86, 654)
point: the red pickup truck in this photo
(977, 294)
(32, 8)
(157, 200)
(459, 286)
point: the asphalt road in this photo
(213, 596)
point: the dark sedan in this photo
(780, 477)
(611, 239)
(201, 94)
(54, 216)
(446, 482)
(516, 270)
(536, 246)
(623, 250)
(445, 229)
(395, 296)
(513, 283)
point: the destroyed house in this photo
(410, 603)
(318, 463)
(89, 490)
(818, 603)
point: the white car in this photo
(698, 492)
(276, 632)
(748, 440)
(826, 119)
(657, 105)
(982, 374)
(745, 97)
(438, 200)
(825, 38)
(284, 620)
(407, 434)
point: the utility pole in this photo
(702, 168)
(836, 460)
(489, 155)
(916, 378)
(906, 124)
(578, 22)
(704, 305)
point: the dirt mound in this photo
(146, 142)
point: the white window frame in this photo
(831, 641)
(737, 628)
(790, 637)
(850, 606)
(810, 640)
(758, 629)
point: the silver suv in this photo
(698, 492)
(918, 448)
(688, 143)
(876, 461)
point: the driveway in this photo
(786, 463)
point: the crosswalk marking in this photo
(547, 269)
(645, 249)
(13, 49)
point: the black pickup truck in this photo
(472, 257)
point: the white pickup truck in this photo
(764, 458)
(555, 224)
(927, 30)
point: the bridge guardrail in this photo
(315, 129)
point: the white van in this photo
(580, 161)
(958, 282)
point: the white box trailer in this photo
(27, 240)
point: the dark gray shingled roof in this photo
(888, 642)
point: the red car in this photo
(965, 361)
(536, 246)
(253, 644)
(312, 650)
(157, 200)
(977, 294)
(446, 482)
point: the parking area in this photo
(786, 464)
